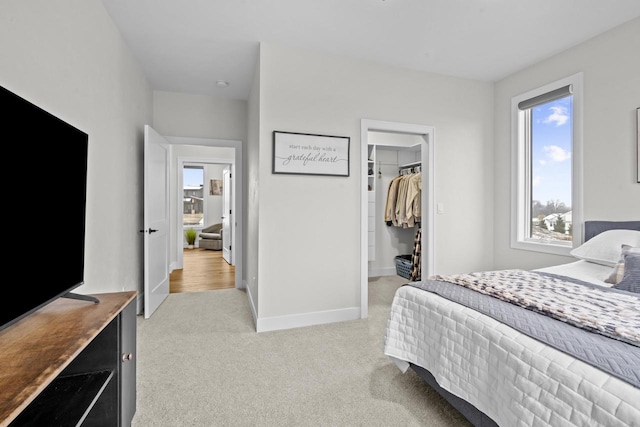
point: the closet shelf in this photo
(409, 165)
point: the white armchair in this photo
(211, 237)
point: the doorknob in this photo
(151, 230)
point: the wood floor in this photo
(204, 270)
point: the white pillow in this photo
(605, 247)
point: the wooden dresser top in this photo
(36, 349)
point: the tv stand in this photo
(81, 297)
(71, 364)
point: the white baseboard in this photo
(174, 266)
(254, 313)
(306, 319)
(387, 271)
(276, 323)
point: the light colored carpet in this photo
(201, 363)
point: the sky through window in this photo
(551, 151)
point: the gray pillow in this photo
(631, 279)
(618, 271)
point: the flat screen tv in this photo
(45, 243)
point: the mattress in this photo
(531, 383)
(582, 270)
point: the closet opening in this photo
(397, 234)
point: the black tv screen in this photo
(47, 158)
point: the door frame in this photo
(227, 211)
(237, 236)
(181, 162)
(428, 202)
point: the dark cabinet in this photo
(127, 364)
(91, 381)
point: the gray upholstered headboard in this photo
(593, 228)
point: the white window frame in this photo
(204, 189)
(519, 172)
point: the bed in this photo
(509, 359)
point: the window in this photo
(547, 167)
(193, 196)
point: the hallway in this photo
(203, 270)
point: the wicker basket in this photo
(403, 266)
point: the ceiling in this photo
(188, 45)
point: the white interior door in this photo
(156, 220)
(227, 218)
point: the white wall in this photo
(68, 58)
(302, 242)
(252, 205)
(611, 67)
(199, 116)
(309, 226)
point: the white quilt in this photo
(514, 379)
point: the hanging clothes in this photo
(392, 197)
(413, 200)
(403, 208)
(403, 205)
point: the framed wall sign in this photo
(310, 154)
